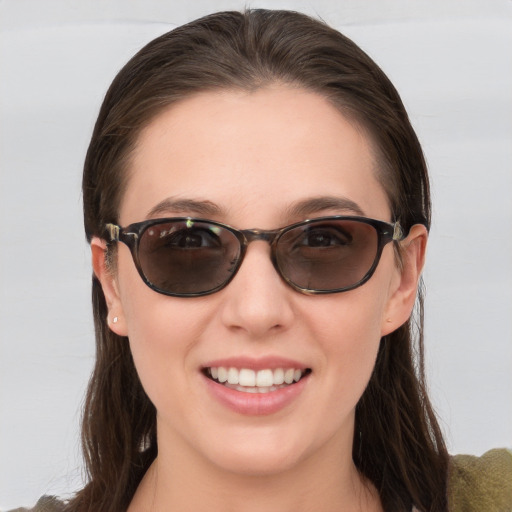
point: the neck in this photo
(327, 482)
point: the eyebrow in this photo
(185, 206)
(207, 208)
(317, 204)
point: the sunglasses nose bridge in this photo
(263, 235)
(253, 235)
(246, 236)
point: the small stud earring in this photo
(115, 319)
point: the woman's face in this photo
(248, 160)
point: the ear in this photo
(116, 318)
(404, 289)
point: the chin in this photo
(257, 463)
(257, 453)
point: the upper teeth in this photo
(251, 378)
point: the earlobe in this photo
(108, 282)
(403, 294)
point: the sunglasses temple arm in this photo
(398, 233)
(113, 231)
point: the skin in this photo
(255, 155)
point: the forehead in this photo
(252, 152)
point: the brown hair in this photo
(398, 444)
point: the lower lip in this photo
(256, 404)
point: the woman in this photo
(257, 205)
(251, 120)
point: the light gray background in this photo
(451, 61)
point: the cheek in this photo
(161, 331)
(162, 337)
(353, 346)
(352, 321)
(349, 330)
(152, 319)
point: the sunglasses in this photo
(187, 257)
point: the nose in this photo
(257, 301)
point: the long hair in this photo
(398, 444)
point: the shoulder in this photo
(45, 504)
(481, 483)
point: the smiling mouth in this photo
(247, 380)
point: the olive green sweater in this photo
(481, 484)
(476, 484)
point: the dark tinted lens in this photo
(327, 255)
(187, 257)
